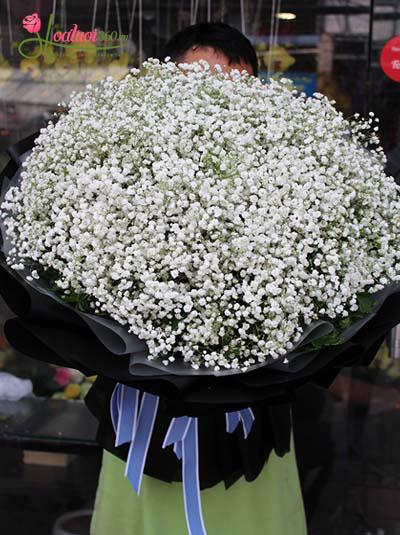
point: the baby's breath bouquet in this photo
(217, 218)
(205, 244)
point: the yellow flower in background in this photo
(280, 60)
(71, 56)
(85, 52)
(73, 391)
(261, 46)
(123, 59)
(48, 56)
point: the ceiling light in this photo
(286, 16)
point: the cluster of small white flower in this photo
(214, 215)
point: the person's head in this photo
(216, 43)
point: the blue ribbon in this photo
(129, 426)
(124, 404)
(233, 419)
(134, 422)
(182, 433)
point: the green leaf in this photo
(345, 323)
(330, 339)
(365, 303)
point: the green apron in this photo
(270, 505)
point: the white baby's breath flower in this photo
(212, 214)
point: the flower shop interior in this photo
(347, 445)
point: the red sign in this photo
(390, 59)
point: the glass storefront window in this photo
(347, 442)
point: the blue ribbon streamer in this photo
(182, 433)
(134, 422)
(124, 402)
(233, 419)
(140, 446)
(133, 428)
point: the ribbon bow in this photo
(133, 421)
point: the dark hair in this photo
(222, 37)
